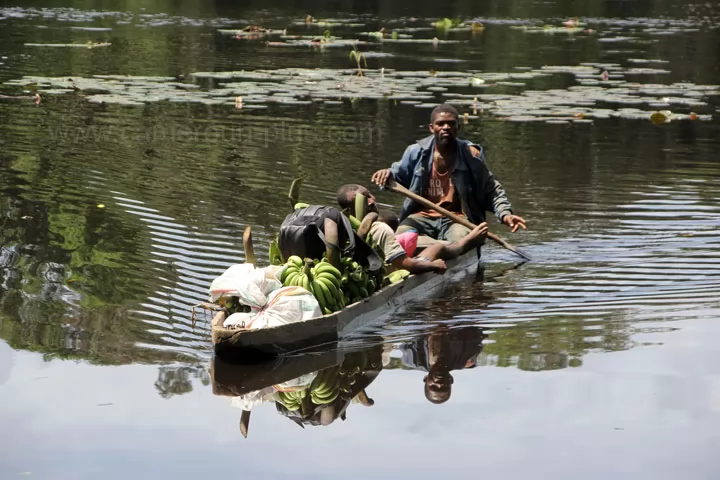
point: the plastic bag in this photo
(252, 285)
(252, 399)
(296, 384)
(285, 305)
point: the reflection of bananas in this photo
(333, 387)
(325, 388)
(291, 400)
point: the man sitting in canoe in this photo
(431, 259)
(451, 173)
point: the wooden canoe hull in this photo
(257, 345)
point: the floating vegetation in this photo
(74, 15)
(252, 32)
(601, 90)
(646, 60)
(71, 45)
(433, 41)
(311, 21)
(457, 24)
(446, 23)
(359, 59)
(92, 29)
(382, 34)
(317, 42)
(549, 29)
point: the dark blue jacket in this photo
(474, 182)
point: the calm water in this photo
(596, 360)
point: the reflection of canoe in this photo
(252, 344)
(340, 377)
(233, 380)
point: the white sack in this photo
(285, 305)
(252, 285)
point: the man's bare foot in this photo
(440, 266)
(478, 234)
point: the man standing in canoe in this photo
(451, 173)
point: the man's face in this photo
(438, 386)
(445, 128)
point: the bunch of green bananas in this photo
(397, 276)
(325, 388)
(291, 400)
(294, 273)
(319, 278)
(327, 287)
(356, 282)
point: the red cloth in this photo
(408, 241)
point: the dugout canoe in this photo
(257, 345)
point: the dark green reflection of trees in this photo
(554, 343)
(178, 380)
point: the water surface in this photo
(595, 359)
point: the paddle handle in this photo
(396, 187)
(248, 245)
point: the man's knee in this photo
(404, 228)
(456, 232)
(418, 223)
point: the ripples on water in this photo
(624, 215)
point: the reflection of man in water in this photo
(439, 353)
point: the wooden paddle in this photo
(248, 245)
(396, 187)
(244, 422)
(249, 258)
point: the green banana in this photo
(328, 267)
(296, 260)
(325, 399)
(353, 289)
(331, 278)
(330, 287)
(288, 269)
(341, 301)
(290, 279)
(329, 299)
(326, 389)
(319, 295)
(354, 222)
(306, 283)
(398, 275)
(371, 286)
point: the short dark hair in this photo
(390, 218)
(346, 195)
(444, 108)
(438, 396)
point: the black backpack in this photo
(302, 234)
